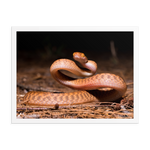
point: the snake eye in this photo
(82, 55)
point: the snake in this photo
(104, 87)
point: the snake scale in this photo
(90, 88)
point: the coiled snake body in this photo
(90, 88)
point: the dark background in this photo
(46, 46)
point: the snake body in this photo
(90, 88)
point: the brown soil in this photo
(35, 75)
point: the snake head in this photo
(80, 57)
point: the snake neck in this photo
(70, 66)
(91, 66)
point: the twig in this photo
(33, 108)
(131, 83)
(113, 52)
(112, 48)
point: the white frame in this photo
(136, 28)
